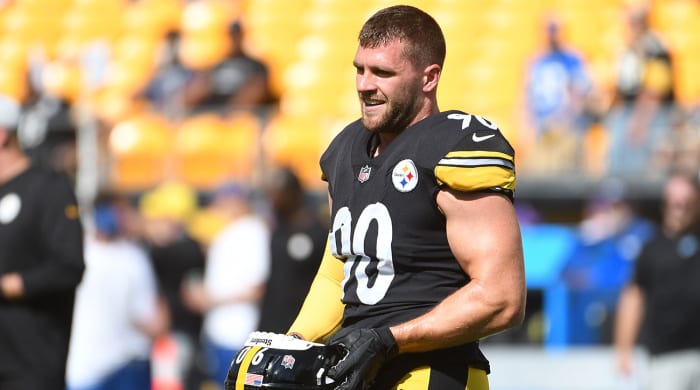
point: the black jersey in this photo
(668, 269)
(41, 238)
(386, 225)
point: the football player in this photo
(426, 248)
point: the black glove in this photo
(367, 350)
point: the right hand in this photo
(367, 351)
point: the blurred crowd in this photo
(172, 86)
(222, 232)
(635, 126)
(175, 281)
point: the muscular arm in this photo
(484, 236)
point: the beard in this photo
(399, 112)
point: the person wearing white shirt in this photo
(117, 310)
(237, 267)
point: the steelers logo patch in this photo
(10, 205)
(405, 176)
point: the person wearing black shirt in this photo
(664, 295)
(296, 248)
(41, 264)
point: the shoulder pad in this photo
(482, 159)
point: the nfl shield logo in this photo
(288, 361)
(364, 173)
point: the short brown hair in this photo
(425, 43)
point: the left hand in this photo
(11, 286)
(195, 297)
(367, 351)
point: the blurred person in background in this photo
(166, 90)
(610, 237)
(176, 258)
(663, 295)
(558, 88)
(236, 269)
(298, 240)
(118, 311)
(239, 82)
(41, 264)
(640, 116)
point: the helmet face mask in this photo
(275, 361)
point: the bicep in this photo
(484, 235)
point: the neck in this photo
(12, 163)
(386, 138)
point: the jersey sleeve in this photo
(322, 312)
(481, 159)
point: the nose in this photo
(364, 82)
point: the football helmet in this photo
(276, 361)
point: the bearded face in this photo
(388, 86)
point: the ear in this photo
(431, 77)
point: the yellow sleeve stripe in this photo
(243, 369)
(475, 178)
(322, 312)
(477, 154)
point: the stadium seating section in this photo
(308, 45)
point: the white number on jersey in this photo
(352, 248)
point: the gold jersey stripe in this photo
(475, 178)
(477, 379)
(479, 154)
(245, 364)
(418, 378)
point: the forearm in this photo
(158, 323)
(628, 319)
(52, 277)
(465, 316)
(253, 294)
(322, 311)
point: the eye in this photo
(383, 73)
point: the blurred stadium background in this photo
(97, 56)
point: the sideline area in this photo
(573, 368)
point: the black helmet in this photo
(277, 361)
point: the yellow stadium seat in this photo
(677, 14)
(242, 145)
(201, 151)
(152, 19)
(112, 105)
(63, 79)
(93, 23)
(27, 25)
(687, 79)
(206, 17)
(139, 148)
(201, 51)
(137, 49)
(14, 53)
(295, 142)
(13, 82)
